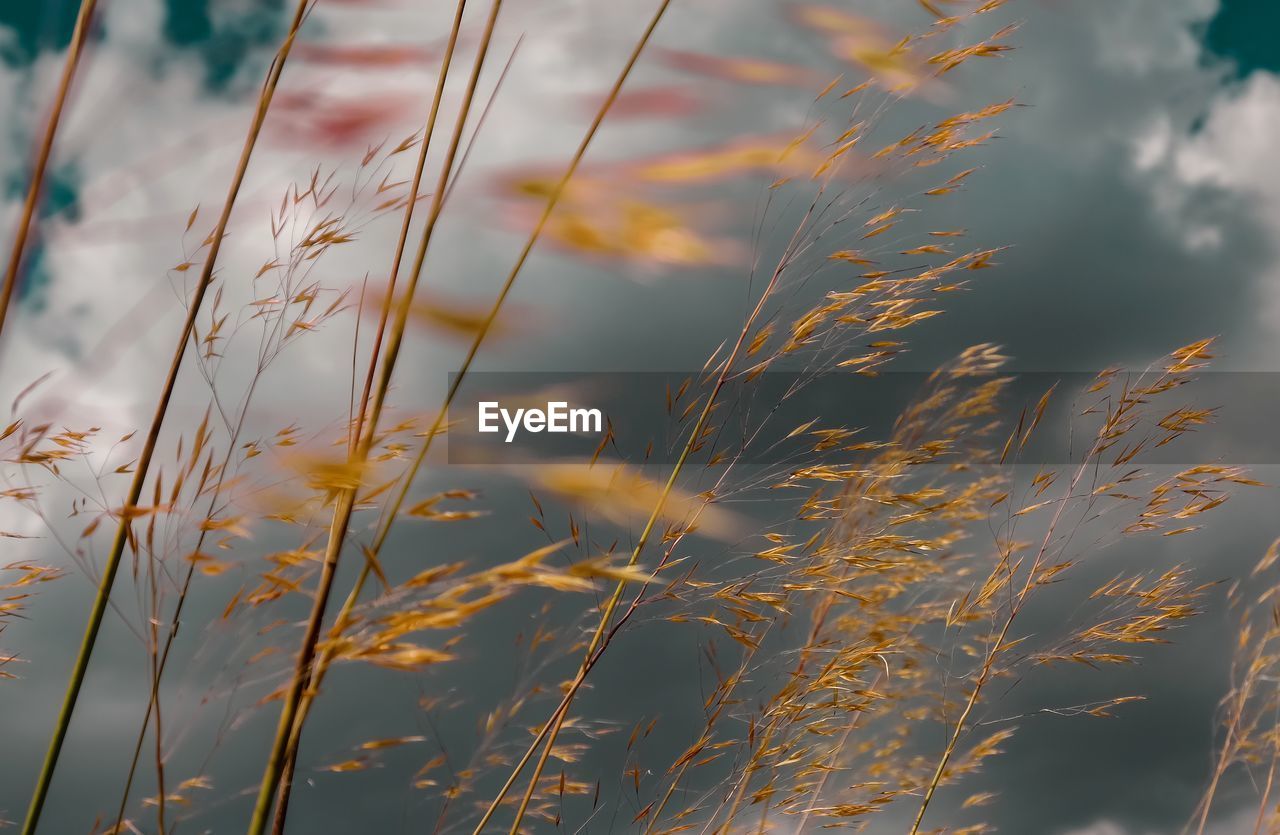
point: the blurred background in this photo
(1136, 188)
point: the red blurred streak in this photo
(368, 56)
(335, 123)
(657, 102)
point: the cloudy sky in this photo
(1137, 190)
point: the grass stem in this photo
(325, 658)
(122, 535)
(345, 501)
(357, 432)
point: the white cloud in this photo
(1100, 828)
(1240, 822)
(1232, 151)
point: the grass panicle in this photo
(141, 468)
(862, 584)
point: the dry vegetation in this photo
(852, 636)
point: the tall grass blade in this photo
(346, 499)
(112, 564)
(357, 432)
(326, 657)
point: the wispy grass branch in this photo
(344, 616)
(122, 535)
(357, 430)
(345, 502)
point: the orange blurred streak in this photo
(753, 71)
(454, 317)
(838, 22)
(601, 222)
(773, 155)
(867, 43)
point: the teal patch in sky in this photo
(61, 195)
(33, 291)
(222, 39)
(1244, 31)
(34, 27)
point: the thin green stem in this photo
(326, 656)
(123, 535)
(291, 751)
(346, 499)
(606, 617)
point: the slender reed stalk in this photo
(143, 465)
(326, 656)
(75, 50)
(551, 729)
(1000, 639)
(1264, 803)
(153, 701)
(1220, 766)
(357, 432)
(427, 132)
(155, 678)
(345, 501)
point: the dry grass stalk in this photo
(1250, 710)
(282, 324)
(325, 657)
(1118, 421)
(551, 728)
(142, 467)
(357, 431)
(345, 501)
(824, 709)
